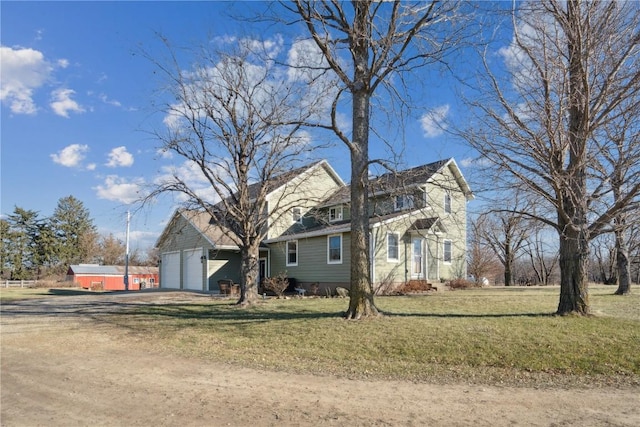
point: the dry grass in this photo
(498, 336)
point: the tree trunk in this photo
(508, 264)
(249, 271)
(574, 256)
(574, 238)
(361, 293)
(622, 265)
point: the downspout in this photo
(372, 258)
(438, 256)
(406, 268)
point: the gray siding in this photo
(312, 262)
(223, 265)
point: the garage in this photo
(192, 274)
(170, 270)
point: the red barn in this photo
(111, 277)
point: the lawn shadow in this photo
(469, 316)
(68, 292)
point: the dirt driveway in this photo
(62, 367)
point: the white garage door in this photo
(170, 274)
(193, 269)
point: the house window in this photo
(335, 214)
(447, 203)
(447, 251)
(297, 215)
(392, 246)
(292, 253)
(403, 202)
(334, 249)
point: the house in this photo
(111, 277)
(417, 232)
(196, 252)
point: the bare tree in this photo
(483, 261)
(572, 65)
(618, 170)
(236, 120)
(543, 256)
(504, 232)
(366, 44)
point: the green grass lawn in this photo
(495, 335)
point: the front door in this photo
(263, 270)
(417, 260)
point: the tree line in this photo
(34, 247)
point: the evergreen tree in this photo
(20, 243)
(76, 235)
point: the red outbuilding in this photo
(111, 277)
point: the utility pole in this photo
(126, 257)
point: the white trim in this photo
(294, 214)
(286, 247)
(397, 258)
(444, 251)
(329, 260)
(420, 241)
(447, 206)
(339, 213)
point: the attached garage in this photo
(170, 270)
(193, 276)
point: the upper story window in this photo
(402, 202)
(335, 213)
(334, 249)
(447, 203)
(447, 247)
(296, 215)
(292, 253)
(392, 246)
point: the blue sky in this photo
(76, 106)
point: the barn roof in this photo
(95, 269)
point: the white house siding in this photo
(303, 192)
(454, 223)
(388, 273)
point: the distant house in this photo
(111, 277)
(417, 232)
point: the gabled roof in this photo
(393, 181)
(281, 180)
(202, 222)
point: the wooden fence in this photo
(18, 283)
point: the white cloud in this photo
(434, 122)
(190, 174)
(22, 71)
(62, 103)
(108, 101)
(63, 63)
(470, 162)
(71, 156)
(306, 61)
(119, 189)
(119, 156)
(164, 153)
